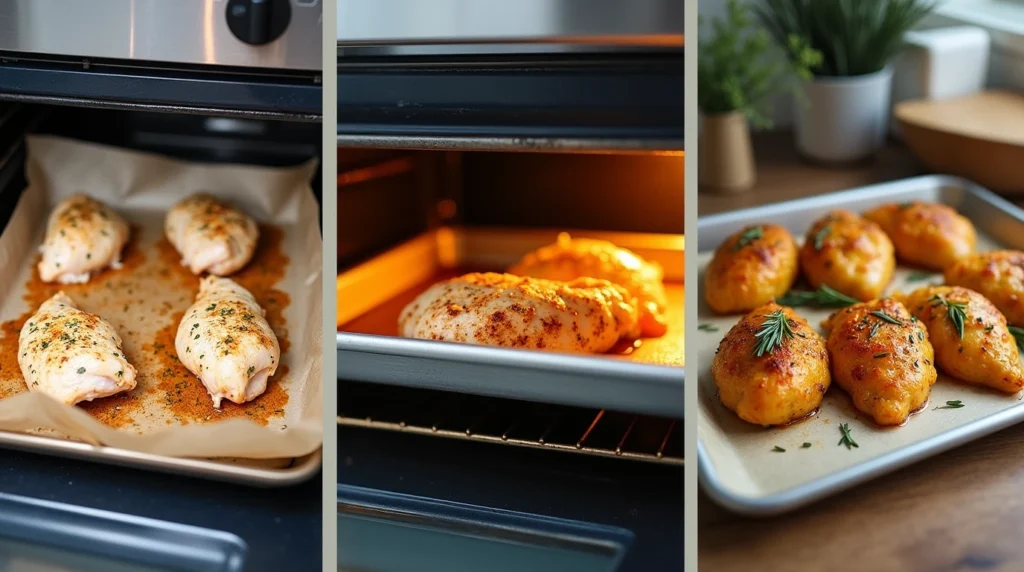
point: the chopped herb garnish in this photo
(252, 368)
(748, 236)
(45, 345)
(702, 327)
(1018, 334)
(847, 439)
(957, 312)
(211, 307)
(952, 405)
(773, 333)
(882, 355)
(120, 373)
(81, 370)
(920, 276)
(920, 335)
(778, 449)
(805, 446)
(821, 235)
(196, 338)
(823, 296)
(874, 330)
(880, 314)
(989, 328)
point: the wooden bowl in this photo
(979, 137)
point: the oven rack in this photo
(586, 431)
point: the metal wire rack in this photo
(509, 422)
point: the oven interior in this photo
(495, 205)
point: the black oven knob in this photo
(258, 22)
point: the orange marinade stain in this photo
(114, 411)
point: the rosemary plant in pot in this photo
(845, 114)
(736, 80)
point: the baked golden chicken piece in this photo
(931, 235)
(584, 315)
(211, 235)
(772, 367)
(998, 276)
(83, 236)
(569, 259)
(225, 341)
(971, 340)
(849, 254)
(882, 358)
(72, 355)
(750, 269)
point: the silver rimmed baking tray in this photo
(738, 465)
(649, 381)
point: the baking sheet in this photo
(738, 466)
(169, 413)
(647, 378)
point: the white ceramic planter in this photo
(844, 118)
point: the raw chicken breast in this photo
(585, 315)
(226, 342)
(83, 236)
(569, 259)
(211, 235)
(72, 355)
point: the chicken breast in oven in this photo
(569, 259)
(971, 339)
(211, 235)
(785, 382)
(83, 236)
(226, 342)
(931, 235)
(751, 268)
(849, 254)
(584, 315)
(998, 276)
(72, 355)
(882, 358)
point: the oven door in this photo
(487, 150)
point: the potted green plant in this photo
(845, 114)
(737, 76)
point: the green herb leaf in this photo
(81, 370)
(707, 328)
(823, 297)
(748, 236)
(1018, 334)
(805, 446)
(880, 314)
(952, 405)
(956, 311)
(773, 333)
(847, 439)
(821, 235)
(778, 449)
(882, 355)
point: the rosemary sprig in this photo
(748, 236)
(847, 439)
(1018, 334)
(805, 445)
(952, 405)
(880, 314)
(778, 449)
(823, 296)
(773, 333)
(957, 312)
(707, 328)
(819, 238)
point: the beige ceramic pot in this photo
(726, 158)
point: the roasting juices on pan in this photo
(883, 348)
(223, 339)
(577, 295)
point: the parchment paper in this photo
(169, 413)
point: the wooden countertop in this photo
(959, 510)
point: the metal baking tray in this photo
(264, 473)
(370, 297)
(737, 465)
(44, 535)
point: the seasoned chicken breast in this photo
(225, 341)
(972, 342)
(72, 355)
(786, 382)
(750, 269)
(569, 259)
(849, 254)
(83, 236)
(211, 235)
(584, 315)
(998, 276)
(931, 235)
(882, 357)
